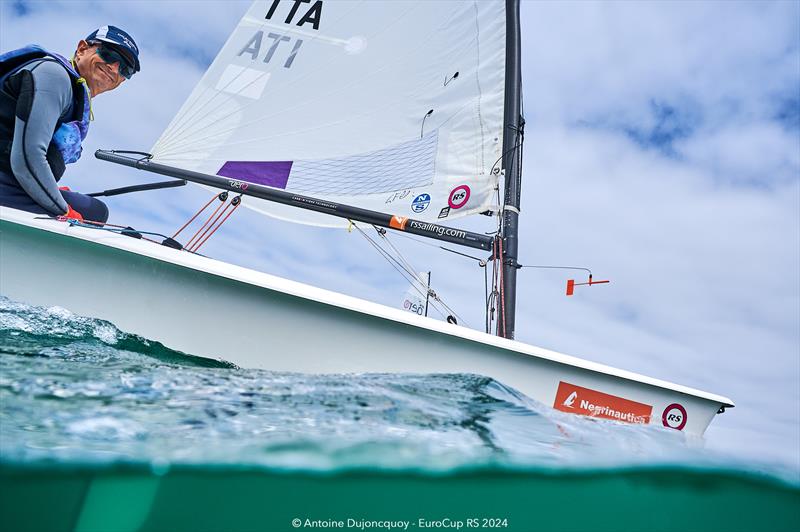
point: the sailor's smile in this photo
(100, 76)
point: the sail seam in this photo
(478, 83)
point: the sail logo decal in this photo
(570, 400)
(420, 203)
(273, 174)
(588, 402)
(438, 229)
(444, 212)
(398, 222)
(674, 416)
(240, 185)
(459, 197)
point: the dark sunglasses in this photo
(111, 55)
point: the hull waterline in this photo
(216, 310)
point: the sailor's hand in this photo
(72, 214)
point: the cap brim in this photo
(124, 51)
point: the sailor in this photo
(45, 109)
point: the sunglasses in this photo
(111, 55)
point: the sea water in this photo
(105, 430)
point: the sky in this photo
(662, 150)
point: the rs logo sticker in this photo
(674, 416)
(459, 197)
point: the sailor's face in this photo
(99, 75)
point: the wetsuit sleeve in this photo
(45, 94)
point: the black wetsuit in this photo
(34, 101)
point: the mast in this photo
(512, 157)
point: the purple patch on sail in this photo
(271, 173)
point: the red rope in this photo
(217, 227)
(502, 299)
(494, 266)
(189, 243)
(195, 216)
(210, 226)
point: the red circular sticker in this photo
(459, 197)
(674, 416)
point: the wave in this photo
(54, 331)
(77, 390)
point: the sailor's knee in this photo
(92, 209)
(102, 211)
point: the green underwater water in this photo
(229, 499)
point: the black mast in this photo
(512, 157)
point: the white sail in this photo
(394, 106)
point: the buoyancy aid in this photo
(65, 146)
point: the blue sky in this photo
(662, 151)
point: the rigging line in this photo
(235, 202)
(502, 296)
(195, 216)
(486, 296)
(191, 240)
(410, 266)
(422, 44)
(502, 204)
(210, 227)
(411, 278)
(450, 310)
(419, 241)
(408, 276)
(422, 127)
(387, 255)
(118, 230)
(557, 268)
(495, 273)
(490, 309)
(517, 145)
(481, 261)
(412, 270)
(512, 148)
(522, 137)
(144, 154)
(392, 263)
(435, 297)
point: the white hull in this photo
(213, 309)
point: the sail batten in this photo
(390, 106)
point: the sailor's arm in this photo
(45, 93)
